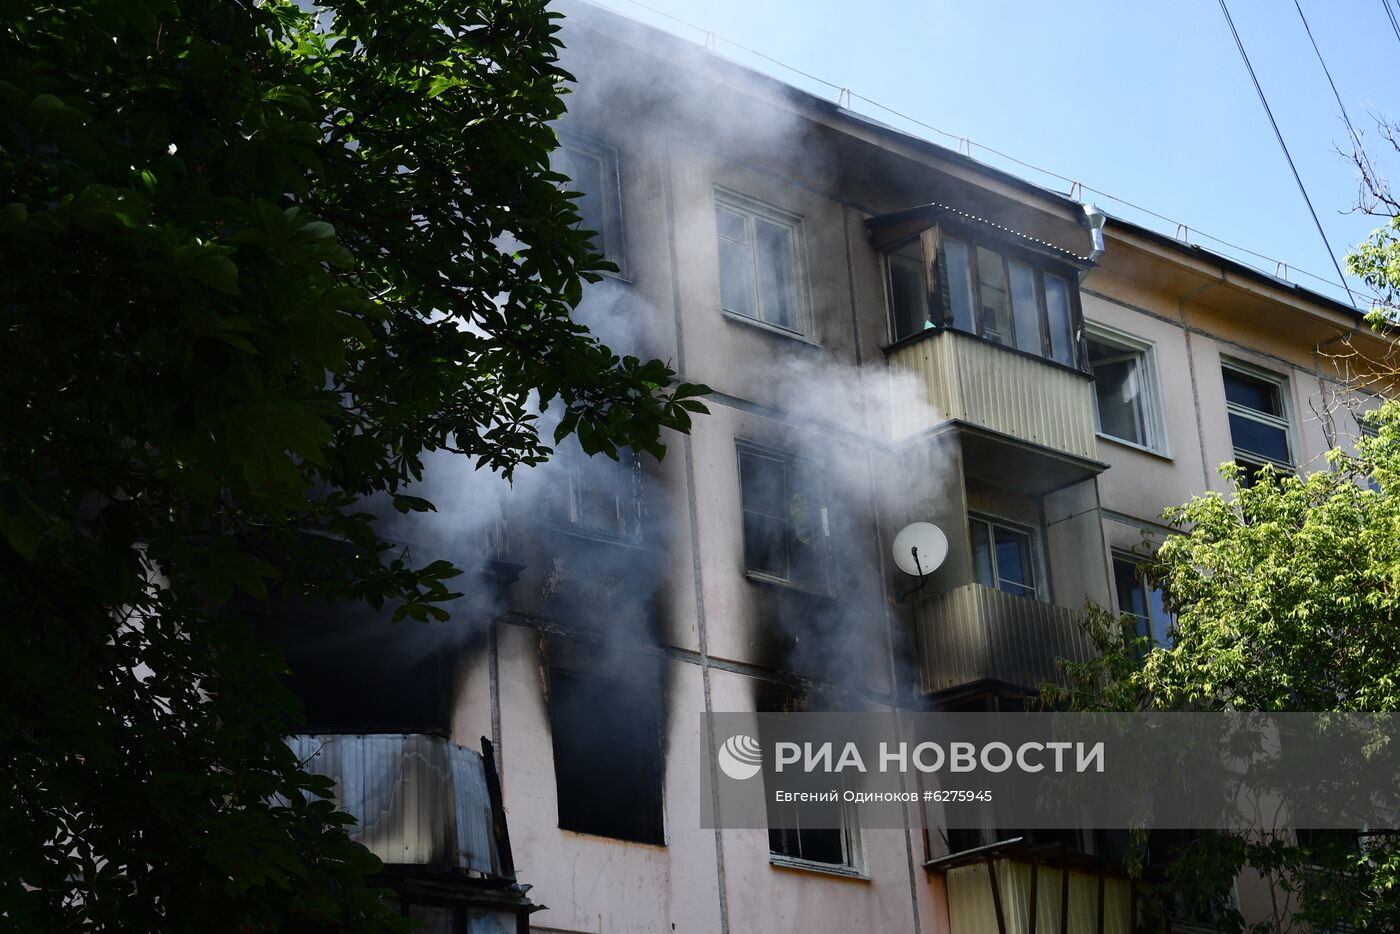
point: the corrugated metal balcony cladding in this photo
(967, 379)
(974, 633)
(417, 799)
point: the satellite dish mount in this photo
(920, 548)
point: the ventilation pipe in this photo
(1096, 219)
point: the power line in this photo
(1391, 16)
(1346, 118)
(1284, 146)
(711, 38)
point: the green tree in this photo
(258, 262)
(1287, 598)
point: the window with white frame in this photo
(1004, 556)
(1256, 401)
(1127, 397)
(833, 846)
(592, 170)
(815, 835)
(1142, 601)
(760, 262)
(785, 518)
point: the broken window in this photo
(1003, 556)
(760, 262)
(909, 288)
(607, 754)
(592, 170)
(1009, 296)
(599, 496)
(785, 518)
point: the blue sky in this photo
(1148, 102)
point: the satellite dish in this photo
(920, 548)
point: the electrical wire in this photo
(1390, 15)
(1284, 146)
(710, 36)
(1346, 118)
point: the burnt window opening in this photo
(353, 670)
(607, 755)
(598, 496)
(1000, 293)
(785, 518)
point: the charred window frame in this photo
(762, 263)
(598, 497)
(785, 520)
(1261, 430)
(953, 277)
(592, 168)
(608, 769)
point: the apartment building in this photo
(894, 333)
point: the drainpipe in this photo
(1096, 219)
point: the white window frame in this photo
(855, 864)
(1154, 422)
(751, 209)
(1040, 583)
(1137, 561)
(613, 245)
(1283, 421)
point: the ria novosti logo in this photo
(740, 757)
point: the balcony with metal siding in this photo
(1018, 415)
(975, 633)
(417, 800)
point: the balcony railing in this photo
(980, 383)
(975, 632)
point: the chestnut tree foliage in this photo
(1286, 595)
(257, 263)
